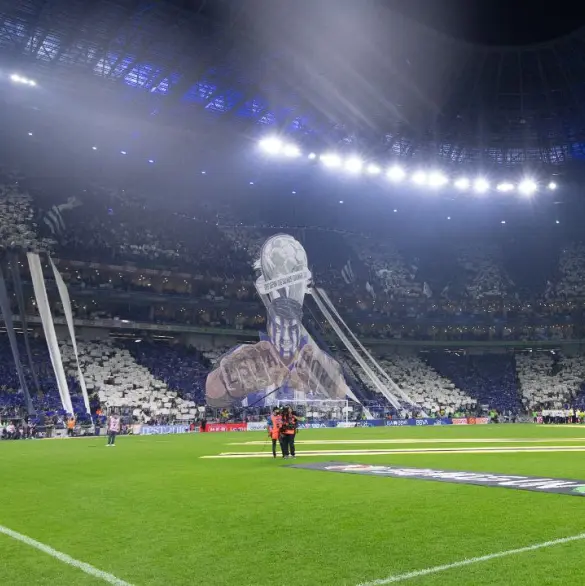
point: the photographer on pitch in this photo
(274, 429)
(288, 431)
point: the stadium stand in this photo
(550, 380)
(489, 379)
(432, 392)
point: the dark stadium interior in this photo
(407, 174)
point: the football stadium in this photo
(291, 293)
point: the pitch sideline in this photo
(484, 558)
(422, 441)
(63, 557)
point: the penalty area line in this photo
(470, 561)
(63, 557)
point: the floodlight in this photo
(330, 160)
(437, 179)
(481, 185)
(354, 165)
(462, 183)
(396, 173)
(419, 177)
(22, 80)
(552, 185)
(527, 187)
(271, 145)
(291, 150)
(374, 170)
(505, 187)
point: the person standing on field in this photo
(274, 427)
(288, 433)
(114, 426)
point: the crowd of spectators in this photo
(192, 269)
(490, 379)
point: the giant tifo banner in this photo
(286, 363)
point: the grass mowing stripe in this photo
(63, 557)
(470, 561)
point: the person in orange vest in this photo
(274, 427)
(70, 426)
(288, 433)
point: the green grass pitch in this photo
(151, 511)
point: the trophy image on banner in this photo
(286, 362)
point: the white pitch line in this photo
(63, 557)
(405, 452)
(470, 561)
(420, 441)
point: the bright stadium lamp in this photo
(271, 145)
(373, 170)
(527, 187)
(481, 185)
(419, 177)
(552, 185)
(353, 165)
(330, 160)
(462, 183)
(437, 179)
(291, 150)
(505, 187)
(396, 173)
(312, 156)
(22, 80)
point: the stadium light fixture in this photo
(437, 179)
(373, 170)
(462, 183)
(271, 145)
(291, 150)
(354, 165)
(330, 160)
(481, 185)
(312, 156)
(420, 177)
(15, 78)
(527, 187)
(505, 187)
(552, 185)
(94, 148)
(396, 173)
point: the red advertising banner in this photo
(461, 421)
(212, 427)
(482, 420)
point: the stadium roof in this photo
(351, 75)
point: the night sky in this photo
(496, 22)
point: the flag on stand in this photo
(370, 290)
(347, 273)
